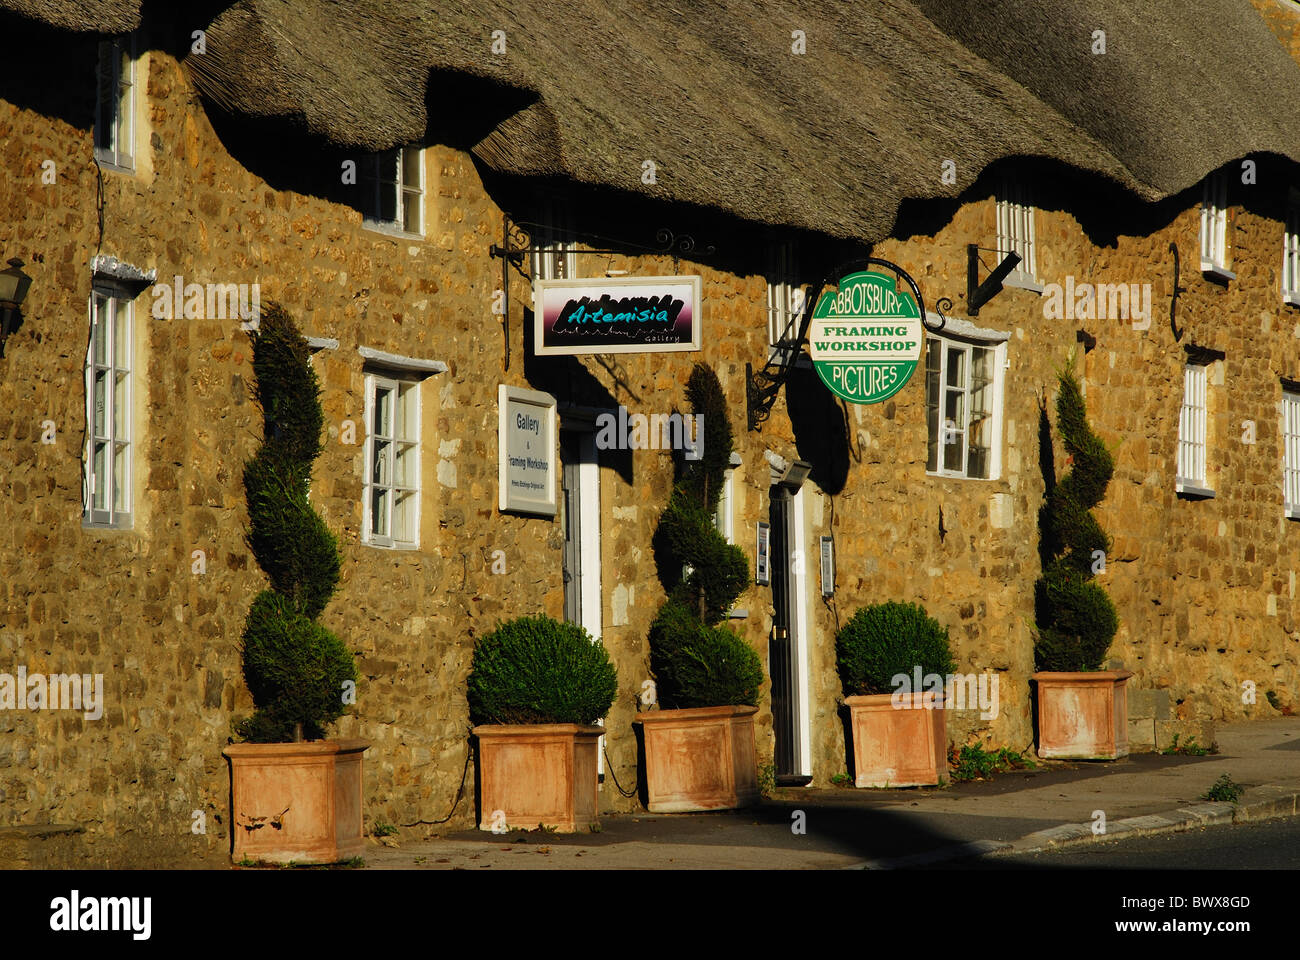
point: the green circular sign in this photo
(865, 338)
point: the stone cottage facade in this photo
(150, 203)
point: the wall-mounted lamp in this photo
(13, 291)
(795, 474)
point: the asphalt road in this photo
(1270, 845)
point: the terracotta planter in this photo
(700, 759)
(897, 747)
(538, 774)
(296, 801)
(1083, 716)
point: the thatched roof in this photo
(832, 140)
(99, 16)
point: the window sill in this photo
(1023, 281)
(1216, 271)
(1293, 513)
(121, 524)
(960, 476)
(1291, 298)
(401, 547)
(113, 166)
(390, 230)
(1188, 488)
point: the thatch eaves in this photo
(831, 140)
(83, 16)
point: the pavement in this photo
(1054, 805)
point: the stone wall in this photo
(1205, 589)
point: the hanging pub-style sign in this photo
(616, 315)
(865, 338)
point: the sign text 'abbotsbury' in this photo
(865, 338)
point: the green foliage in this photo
(976, 763)
(1225, 790)
(842, 780)
(1272, 698)
(1189, 749)
(1076, 618)
(886, 639)
(718, 570)
(767, 779)
(697, 665)
(294, 667)
(384, 830)
(288, 538)
(540, 670)
(287, 389)
(695, 662)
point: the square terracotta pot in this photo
(700, 759)
(298, 802)
(532, 775)
(1083, 716)
(897, 746)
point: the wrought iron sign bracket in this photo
(517, 245)
(1173, 299)
(978, 294)
(763, 387)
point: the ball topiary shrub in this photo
(1076, 619)
(695, 662)
(296, 670)
(540, 670)
(886, 639)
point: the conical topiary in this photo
(1076, 619)
(296, 670)
(696, 662)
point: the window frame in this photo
(997, 386)
(783, 312)
(1194, 419)
(1290, 434)
(552, 258)
(110, 517)
(1017, 233)
(374, 184)
(1214, 252)
(404, 390)
(1291, 250)
(124, 110)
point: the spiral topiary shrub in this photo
(695, 662)
(540, 670)
(698, 665)
(886, 639)
(1076, 619)
(295, 669)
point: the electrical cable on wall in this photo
(609, 765)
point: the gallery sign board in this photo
(616, 315)
(865, 338)
(526, 451)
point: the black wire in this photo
(459, 790)
(610, 767)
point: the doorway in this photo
(787, 646)
(580, 516)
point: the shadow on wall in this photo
(569, 381)
(821, 429)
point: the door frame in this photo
(581, 423)
(796, 573)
